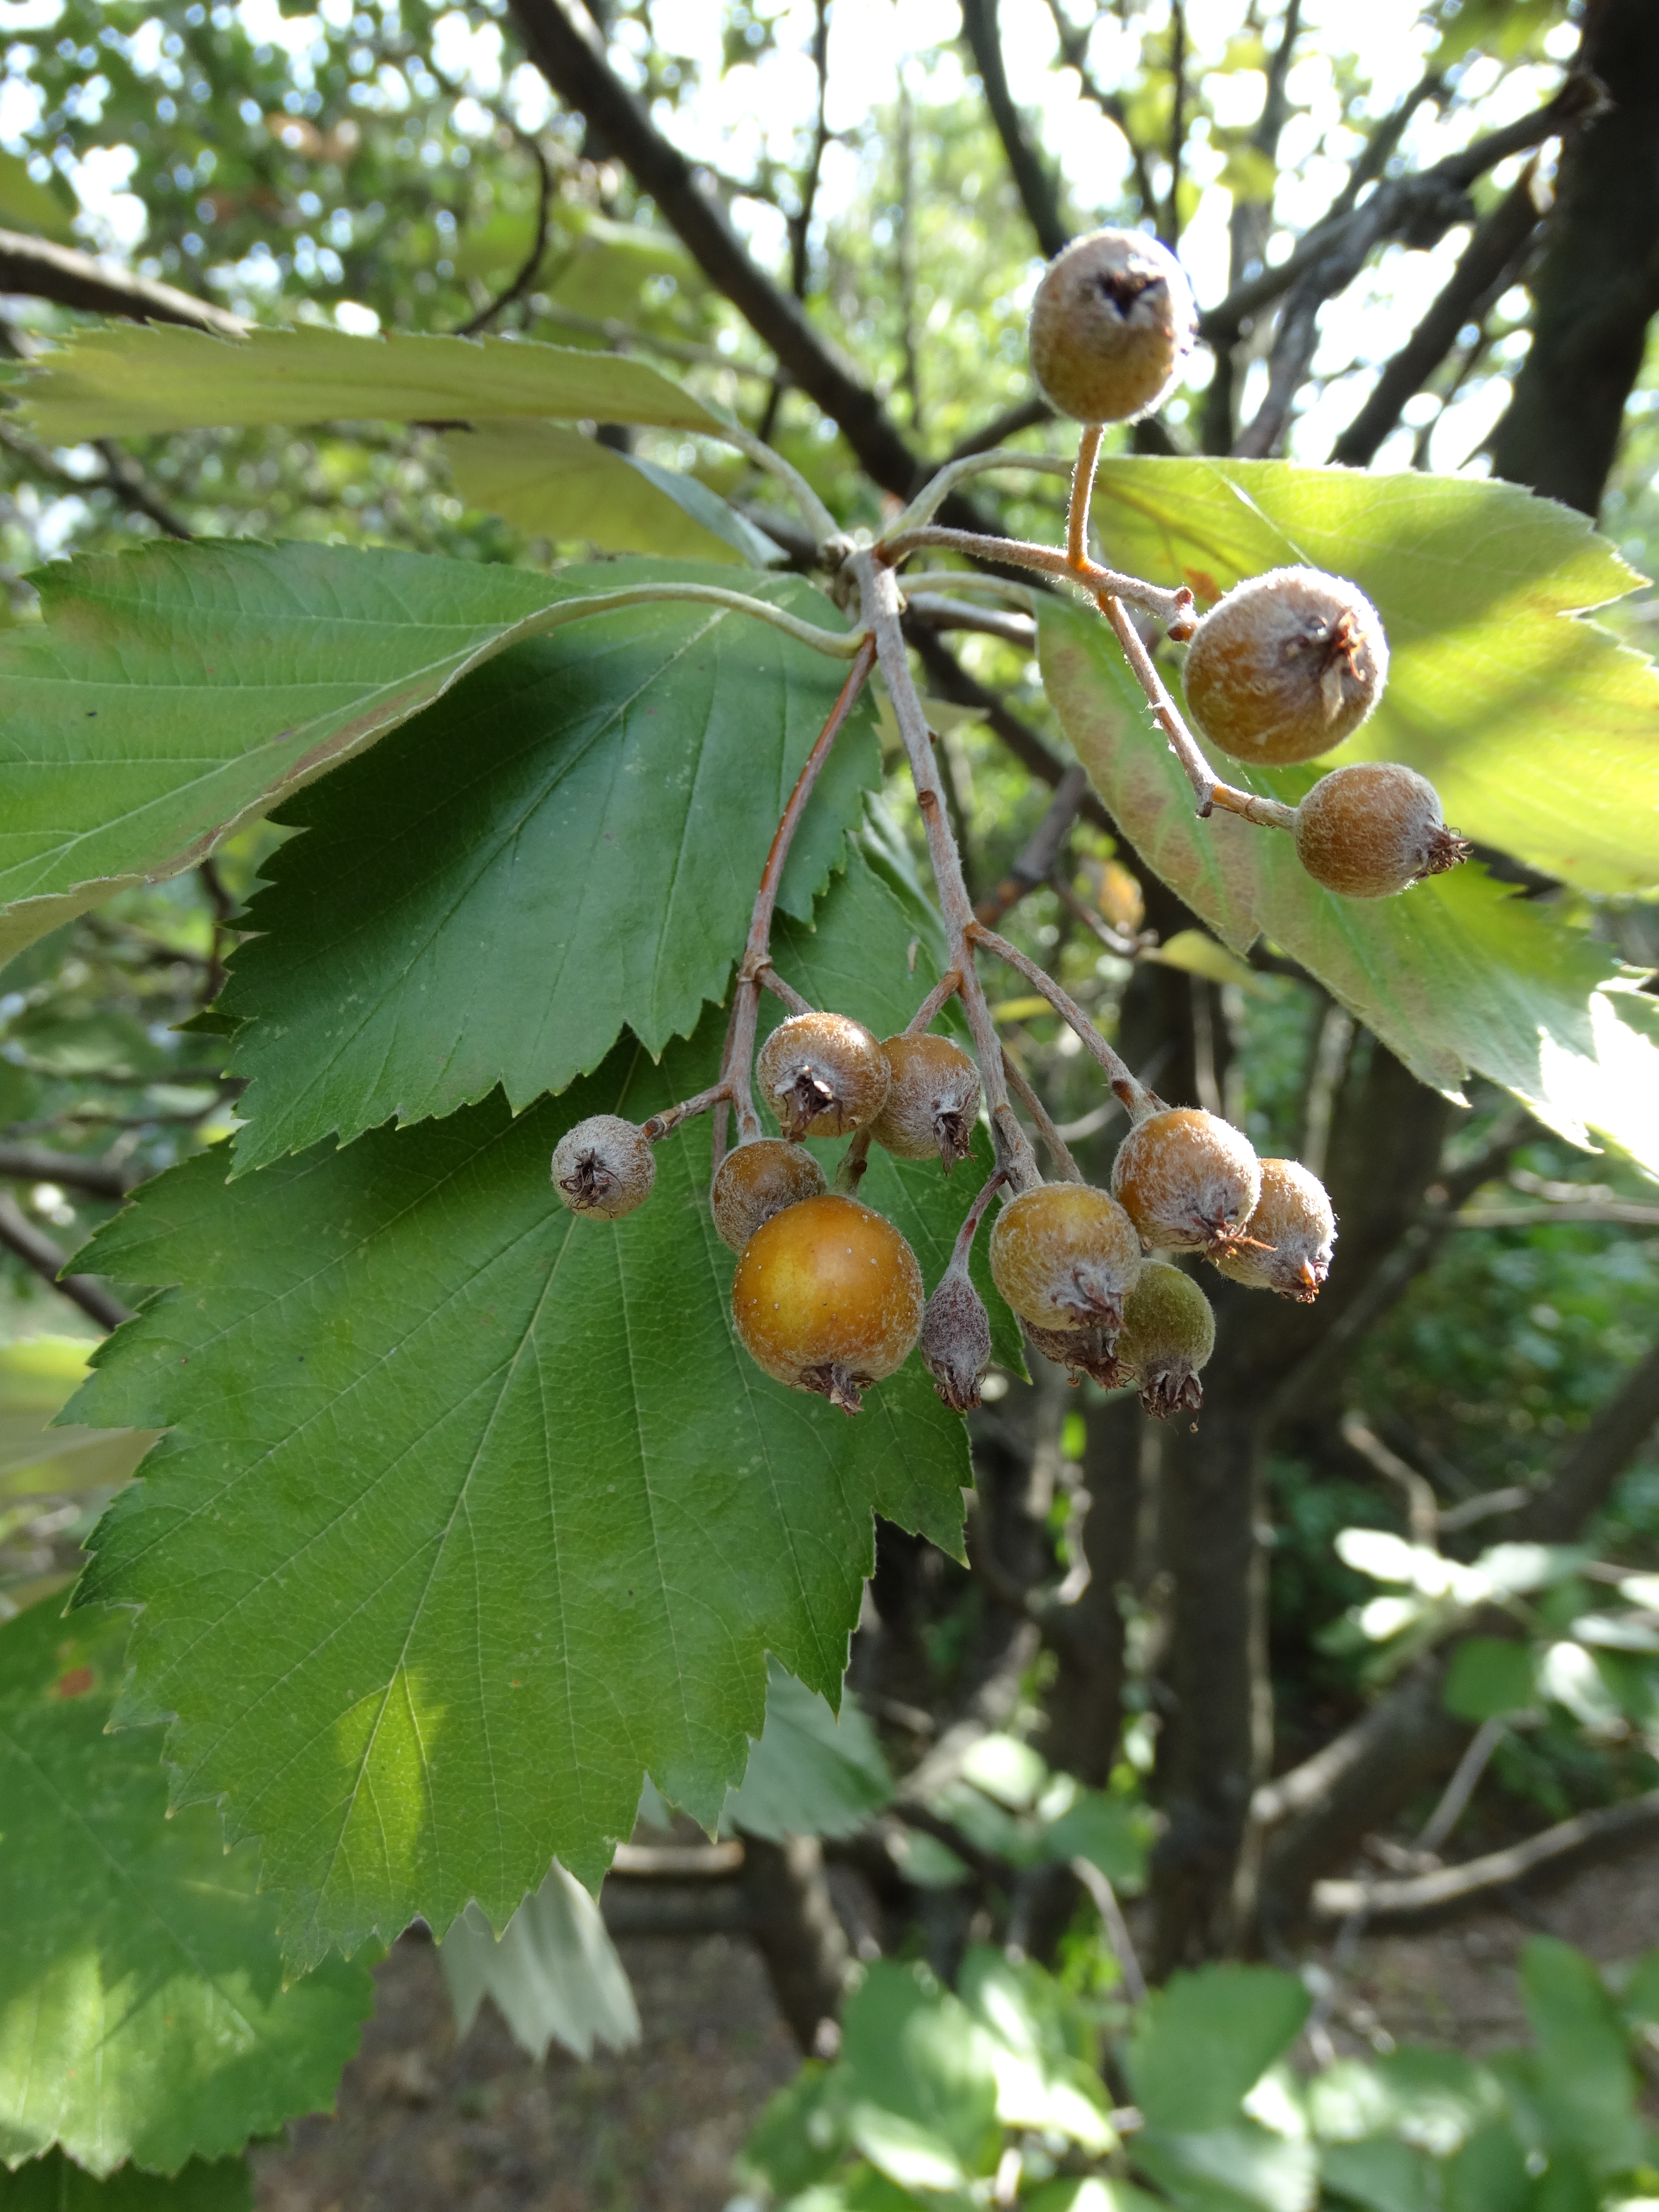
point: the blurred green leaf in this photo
(1537, 730)
(38, 1375)
(1487, 2174)
(554, 1972)
(1113, 1833)
(810, 1774)
(1583, 2080)
(26, 205)
(1040, 2051)
(142, 2008)
(490, 1490)
(54, 2184)
(1488, 1677)
(128, 379)
(1383, 2174)
(1201, 2043)
(1230, 2169)
(920, 2093)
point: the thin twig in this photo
(923, 1018)
(659, 1125)
(1103, 1898)
(1059, 1151)
(1171, 608)
(533, 261)
(38, 1164)
(1125, 948)
(1126, 1086)
(770, 980)
(36, 1249)
(879, 590)
(1034, 865)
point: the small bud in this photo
(605, 1166)
(955, 1341)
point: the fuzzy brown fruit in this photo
(758, 1180)
(1287, 1244)
(1111, 324)
(932, 1103)
(1064, 1256)
(605, 1166)
(955, 1341)
(1286, 665)
(1168, 1333)
(823, 1075)
(1374, 828)
(1189, 1181)
(1081, 1352)
(828, 1298)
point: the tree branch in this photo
(1036, 185)
(948, 679)
(41, 270)
(38, 1164)
(533, 261)
(36, 1249)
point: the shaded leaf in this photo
(566, 844)
(554, 483)
(554, 1972)
(810, 1773)
(1202, 2042)
(55, 2184)
(1383, 2174)
(143, 2012)
(920, 2093)
(1583, 2080)
(131, 380)
(1457, 973)
(489, 1490)
(38, 1375)
(1538, 731)
(1488, 1677)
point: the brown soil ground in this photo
(424, 2123)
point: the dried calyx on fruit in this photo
(604, 1165)
(1188, 1180)
(1287, 1244)
(1064, 1256)
(1111, 324)
(823, 1075)
(828, 1298)
(1090, 1352)
(758, 1180)
(1286, 665)
(932, 1103)
(1374, 829)
(956, 1329)
(1168, 1333)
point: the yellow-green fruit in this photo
(1286, 1244)
(823, 1075)
(1188, 1180)
(828, 1298)
(932, 1103)
(1374, 829)
(1064, 1256)
(1111, 324)
(1286, 665)
(758, 1180)
(1168, 1334)
(603, 1166)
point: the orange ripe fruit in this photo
(828, 1298)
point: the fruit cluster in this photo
(827, 1296)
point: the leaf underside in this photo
(565, 844)
(143, 2012)
(1456, 974)
(473, 1511)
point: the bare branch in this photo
(1036, 185)
(41, 270)
(121, 478)
(38, 1164)
(533, 261)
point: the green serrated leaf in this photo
(1457, 973)
(1203, 2041)
(142, 2010)
(1538, 731)
(475, 1511)
(566, 844)
(554, 483)
(810, 1773)
(55, 2184)
(134, 379)
(174, 694)
(553, 1972)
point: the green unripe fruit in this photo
(1188, 1180)
(1374, 829)
(1286, 1244)
(823, 1075)
(758, 1180)
(1111, 324)
(1285, 667)
(1169, 1334)
(1064, 1256)
(603, 1166)
(932, 1103)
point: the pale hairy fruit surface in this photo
(1090, 1352)
(1374, 829)
(1169, 1334)
(955, 1341)
(1111, 324)
(1287, 1240)
(828, 1298)
(1188, 1180)
(605, 1166)
(823, 1075)
(1286, 665)
(758, 1180)
(1063, 1254)
(932, 1103)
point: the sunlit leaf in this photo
(553, 1972)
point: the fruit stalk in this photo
(1127, 1085)
(879, 593)
(1174, 609)
(1167, 714)
(1060, 1152)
